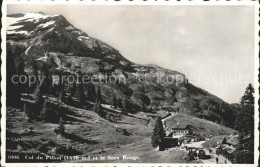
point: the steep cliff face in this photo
(52, 40)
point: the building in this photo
(180, 129)
(228, 147)
(226, 151)
(233, 141)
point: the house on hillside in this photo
(233, 141)
(180, 129)
(226, 151)
(228, 147)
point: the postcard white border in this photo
(126, 2)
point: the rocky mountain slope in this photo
(50, 39)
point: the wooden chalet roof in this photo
(233, 141)
(227, 148)
(230, 150)
(180, 126)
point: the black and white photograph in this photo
(130, 83)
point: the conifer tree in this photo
(62, 94)
(99, 109)
(245, 118)
(20, 70)
(143, 108)
(245, 125)
(91, 93)
(126, 106)
(13, 97)
(26, 110)
(99, 97)
(114, 102)
(61, 128)
(38, 95)
(119, 103)
(44, 112)
(158, 133)
(248, 98)
(73, 89)
(80, 94)
(224, 141)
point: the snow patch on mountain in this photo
(83, 38)
(76, 32)
(27, 50)
(14, 27)
(16, 32)
(47, 24)
(44, 58)
(123, 63)
(33, 17)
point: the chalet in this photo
(180, 129)
(226, 151)
(233, 141)
(228, 147)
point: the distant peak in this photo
(31, 14)
(16, 15)
(153, 65)
(42, 13)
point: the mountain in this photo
(37, 39)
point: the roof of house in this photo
(227, 148)
(180, 126)
(168, 133)
(230, 150)
(223, 146)
(233, 140)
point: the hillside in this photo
(50, 44)
(88, 135)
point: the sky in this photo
(212, 45)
